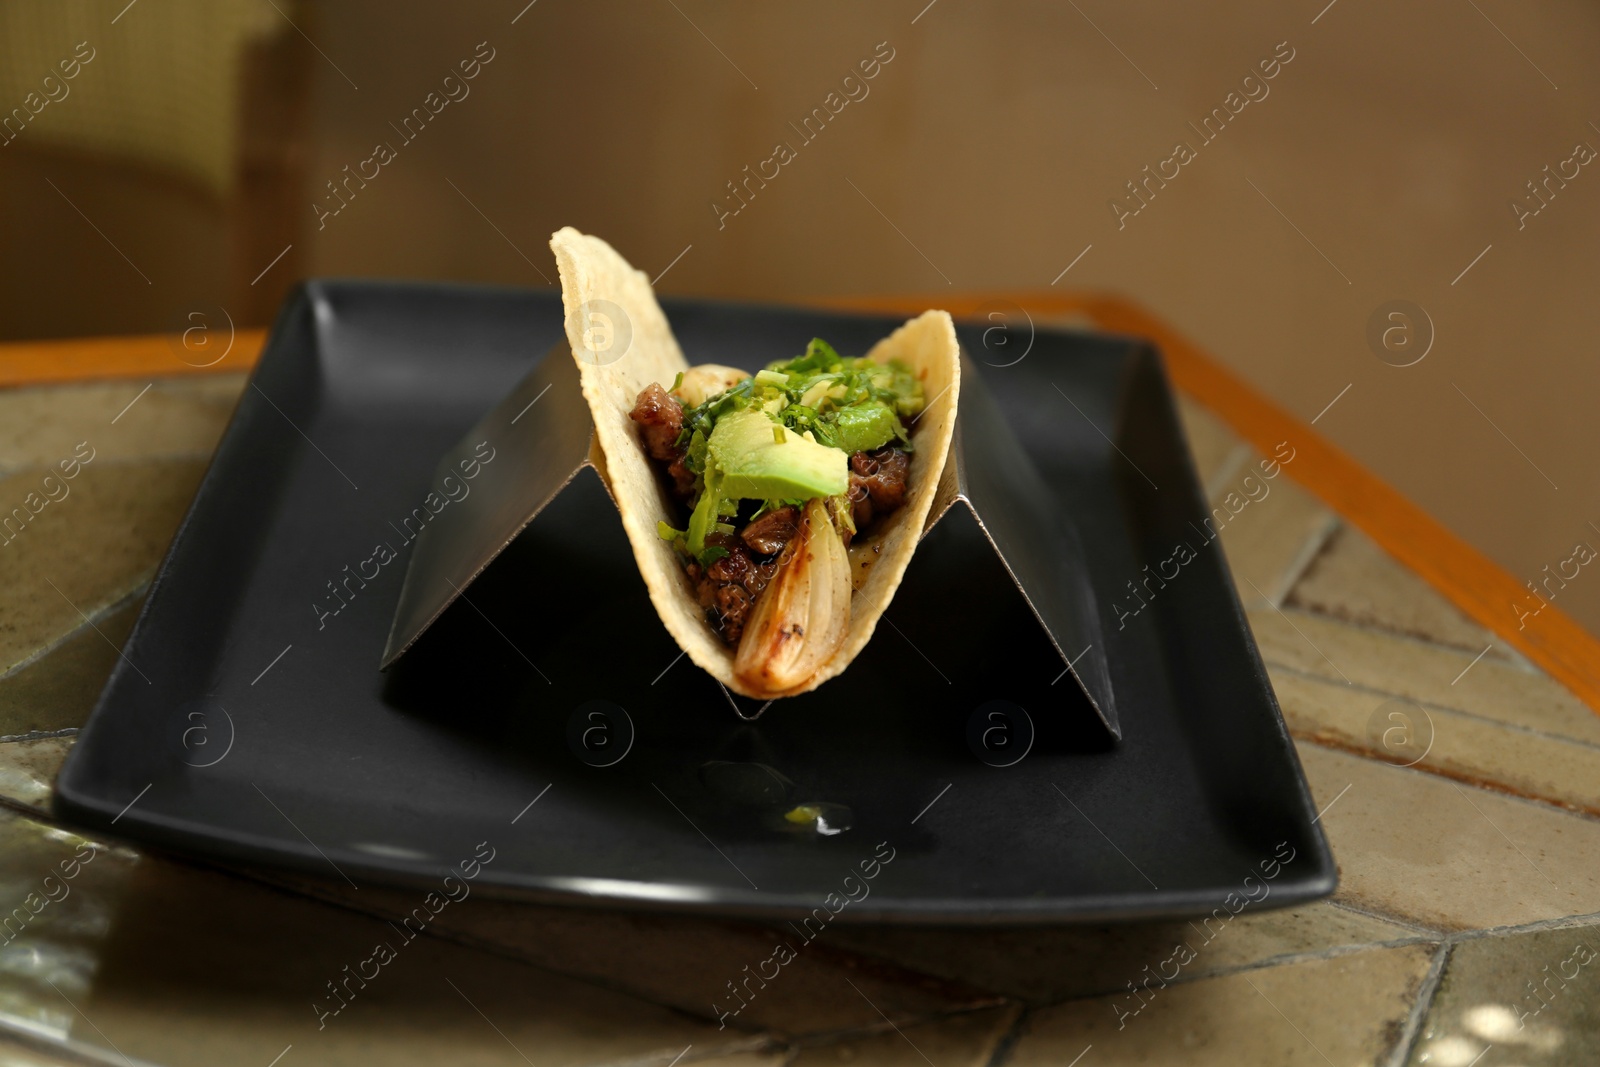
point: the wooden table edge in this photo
(1483, 590)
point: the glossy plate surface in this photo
(249, 722)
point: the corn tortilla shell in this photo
(595, 278)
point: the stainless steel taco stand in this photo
(543, 440)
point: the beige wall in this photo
(1393, 140)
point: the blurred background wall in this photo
(1384, 159)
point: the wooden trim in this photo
(90, 358)
(1481, 588)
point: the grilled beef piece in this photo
(877, 483)
(732, 605)
(728, 588)
(768, 534)
(660, 419)
(685, 482)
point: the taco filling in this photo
(775, 474)
(739, 492)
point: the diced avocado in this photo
(756, 466)
(864, 427)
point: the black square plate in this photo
(249, 723)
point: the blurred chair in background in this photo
(176, 131)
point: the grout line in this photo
(1430, 705)
(1236, 459)
(814, 1039)
(1009, 1038)
(1442, 775)
(1562, 922)
(1423, 642)
(118, 649)
(1516, 659)
(798, 1042)
(99, 615)
(1445, 941)
(890, 1021)
(1424, 933)
(1309, 551)
(1411, 1033)
(1285, 959)
(1296, 629)
(39, 735)
(1288, 959)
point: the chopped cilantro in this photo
(853, 404)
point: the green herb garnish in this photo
(850, 404)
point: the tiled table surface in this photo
(1465, 930)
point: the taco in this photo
(774, 512)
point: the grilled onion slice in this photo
(802, 616)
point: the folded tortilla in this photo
(622, 342)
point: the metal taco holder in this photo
(544, 440)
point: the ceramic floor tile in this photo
(23, 1047)
(1505, 692)
(1447, 742)
(1519, 1000)
(1423, 849)
(58, 900)
(1270, 528)
(89, 550)
(693, 961)
(199, 967)
(1051, 964)
(1355, 581)
(777, 1056)
(28, 769)
(965, 1040)
(58, 690)
(176, 417)
(1347, 1010)
(1217, 450)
